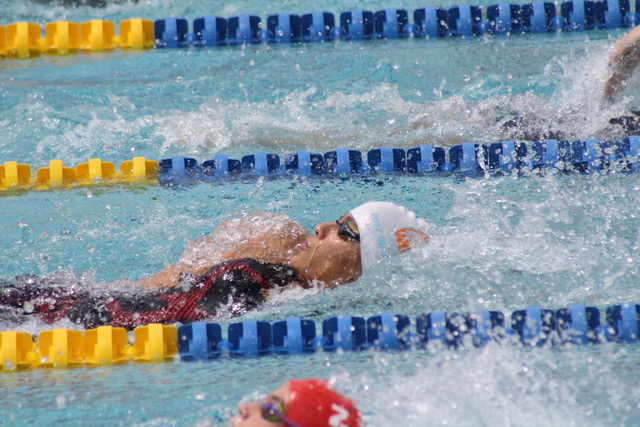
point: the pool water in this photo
(502, 243)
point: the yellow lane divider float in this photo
(105, 345)
(24, 39)
(15, 175)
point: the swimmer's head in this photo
(339, 252)
(313, 404)
(386, 230)
(298, 403)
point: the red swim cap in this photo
(313, 404)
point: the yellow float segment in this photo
(105, 345)
(95, 170)
(61, 37)
(138, 169)
(14, 174)
(155, 342)
(56, 175)
(59, 348)
(97, 35)
(136, 34)
(22, 39)
(15, 350)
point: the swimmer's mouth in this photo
(302, 247)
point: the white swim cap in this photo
(386, 230)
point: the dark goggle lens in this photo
(271, 411)
(348, 229)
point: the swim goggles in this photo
(274, 412)
(348, 230)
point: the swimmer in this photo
(623, 61)
(338, 253)
(297, 403)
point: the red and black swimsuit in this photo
(237, 285)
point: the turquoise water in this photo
(497, 243)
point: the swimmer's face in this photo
(332, 255)
(250, 414)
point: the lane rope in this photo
(106, 345)
(469, 159)
(25, 39)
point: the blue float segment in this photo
(284, 28)
(343, 162)
(171, 32)
(458, 328)
(432, 328)
(261, 163)
(463, 20)
(537, 16)
(316, 26)
(177, 171)
(178, 165)
(485, 326)
(250, 338)
(618, 155)
(578, 15)
(345, 333)
(622, 156)
(534, 325)
(578, 324)
(611, 13)
(504, 18)
(545, 155)
(210, 31)
(221, 165)
(388, 331)
(623, 321)
(506, 157)
(390, 23)
(243, 29)
(469, 158)
(630, 152)
(481, 327)
(199, 341)
(431, 21)
(387, 160)
(304, 163)
(293, 335)
(587, 155)
(358, 24)
(425, 159)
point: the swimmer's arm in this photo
(624, 59)
(169, 276)
(265, 246)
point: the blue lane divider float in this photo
(469, 159)
(316, 26)
(532, 326)
(282, 28)
(428, 22)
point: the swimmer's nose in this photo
(324, 229)
(244, 410)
